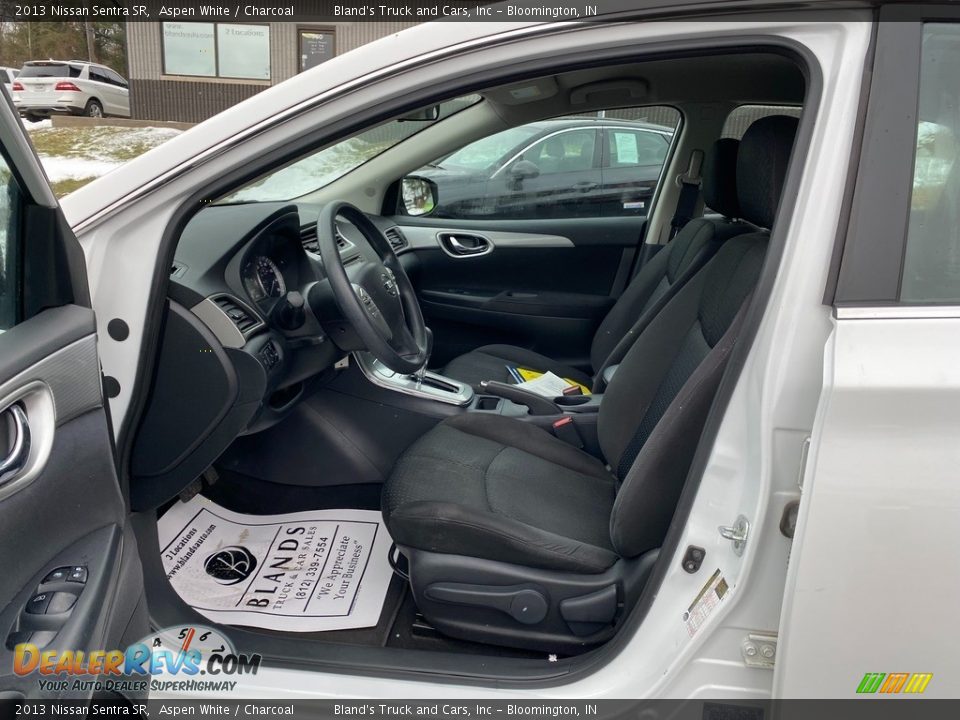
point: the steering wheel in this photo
(375, 297)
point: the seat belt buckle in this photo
(566, 430)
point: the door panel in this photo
(71, 574)
(63, 507)
(542, 284)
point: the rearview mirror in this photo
(419, 195)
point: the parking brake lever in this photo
(537, 404)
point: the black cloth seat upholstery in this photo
(657, 281)
(487, 486)
(510, 488)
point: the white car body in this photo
(72, 87)
(7, 76)
(808, 377)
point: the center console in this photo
(426, 385)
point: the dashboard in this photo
(227, 363)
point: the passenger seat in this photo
(657, 281)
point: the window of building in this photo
(223, 50)
(316, 47)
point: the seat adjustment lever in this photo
(522, 603)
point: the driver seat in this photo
(515, 537)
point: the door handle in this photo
(17, 457)
(464, 245)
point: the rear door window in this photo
(931, 269)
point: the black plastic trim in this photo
(876, 236)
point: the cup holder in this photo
(488, 403)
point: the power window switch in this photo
(78, 574)
(58, 575)
(38, 604)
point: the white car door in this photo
(101, 88)
(872, 582)
(70, 567)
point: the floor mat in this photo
(311, 571)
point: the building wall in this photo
(154, 96)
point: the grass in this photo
(68, 185)
(75, 156)
(118, 144)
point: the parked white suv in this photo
(7, 76)
(74, 87)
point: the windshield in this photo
(490, 150)
(322, 168)
(50, 70)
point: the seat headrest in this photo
(720, 178)
(762, 167)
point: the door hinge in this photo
(759, 649)
(737, 532)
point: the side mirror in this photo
(419, 195)
(523, 170)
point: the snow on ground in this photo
(74, 156)
(310, 173)
(71, 168)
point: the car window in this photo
(631, 148)
(51, 69)
(115, 78)
(489, 152)
(10, 200)
(4, 77)
(322, 168)
(931, 271)
(565, 151)
(555, 168)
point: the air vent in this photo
(396, 238)
(308, 238)
(342, 242)
(239, 315)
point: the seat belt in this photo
(689, 193)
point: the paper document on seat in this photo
(548, 385)
(298, 572)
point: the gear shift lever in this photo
(423, 368)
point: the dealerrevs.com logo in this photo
(230, 565)
(191, 658)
